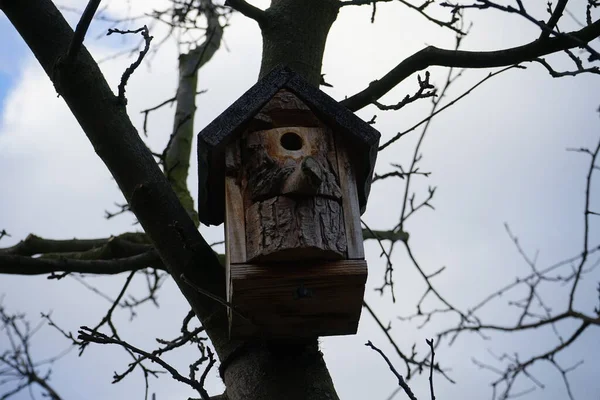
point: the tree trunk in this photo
(295, 34)
(177, 154)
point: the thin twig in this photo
(431, 348)
(129, 71)
(401, 380)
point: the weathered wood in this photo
(295, 169)
(233, 159)
(292, 195)
(295, 228)
(240, 115)
(297, 300)
(285, 109)
(361, 137)
(290, 160)
(235, 236)
(351, 209)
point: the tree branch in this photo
(401, 380)
(392, 236)
(556, 15)
(126, 244)
(131, 69)
(89, 335)
(176, 155)
(108, 127)
(433, 56)
(23, 265)
(82, 27)
(248, 10)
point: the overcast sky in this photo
(497, 156)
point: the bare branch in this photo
(248, 10)
(431, 56)
(129, 71)
(116, 141)
(556, 74)
(361, 2)
(556, 15)
(4, 233)
(22, 265)
(81, 29)
(89, 335)
(450, 104)
(410, 361)
(422, 93)
(432, 350)
(123, 208)
(586, 225)
(392, 236)
(18, 363)
(33, 244)
(147, 111)
(455, 16)
(401, 380)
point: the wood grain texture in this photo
(235, 229)
(285, 109)
(297, 300)
(350, 204)
(272, 169)
(295, 228)
(292, 195)
(363, 139)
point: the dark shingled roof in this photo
(363, 138)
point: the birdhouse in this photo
(288, 169)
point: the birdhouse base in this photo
(296, 300)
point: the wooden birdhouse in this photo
(288, 169)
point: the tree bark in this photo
(295, 33)
(178, 151)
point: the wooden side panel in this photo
(349, 202)
(297, 300)
(235, 230)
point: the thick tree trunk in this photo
(295, 34)
(280, 370)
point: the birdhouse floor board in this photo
(296, 300)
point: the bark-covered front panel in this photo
(295, 228)
(292, 195)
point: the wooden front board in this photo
(296, 300)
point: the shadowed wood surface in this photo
(240, 116)
(295, 228)
(350, 206)
(292, 195)
(297, 299)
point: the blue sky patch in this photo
(12, 52)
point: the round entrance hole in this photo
(291, 141)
